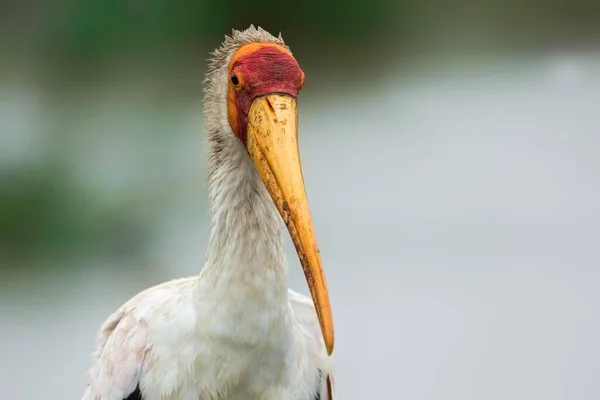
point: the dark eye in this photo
(234, 79)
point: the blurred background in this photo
(451, 161)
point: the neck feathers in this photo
(246, 239)
(246, 247)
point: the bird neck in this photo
(246, 249)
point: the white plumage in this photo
(235, 331)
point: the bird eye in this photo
(234, 79)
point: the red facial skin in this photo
(261, 68)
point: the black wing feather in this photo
(136, 395)
(318, 392)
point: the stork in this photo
(234, 331)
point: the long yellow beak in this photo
(272, 142)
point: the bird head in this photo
(251, 92)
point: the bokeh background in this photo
(451, 154)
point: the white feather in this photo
(235, 331)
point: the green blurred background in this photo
(61, 60)
(103, 178)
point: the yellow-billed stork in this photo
(235, 331)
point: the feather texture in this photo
(235, 331)
(151, 346)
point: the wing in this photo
(122, 343)
(118, 361)
(320, 363)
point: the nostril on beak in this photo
(269, 102)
